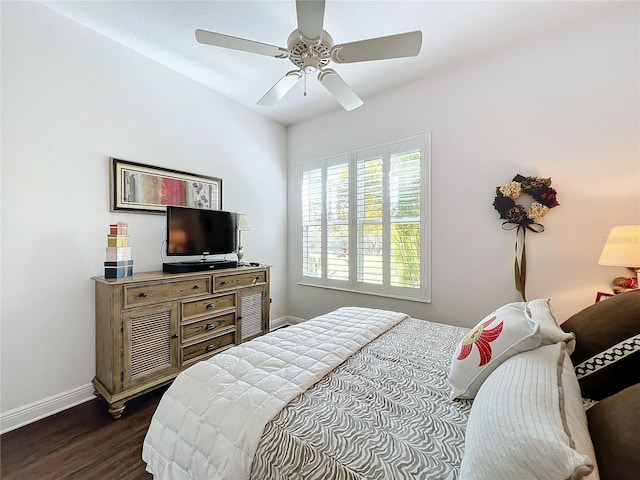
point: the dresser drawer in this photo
(191, 331)
(197, 308)
(208, 346)
(223, 282)
(138, 295)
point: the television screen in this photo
(194, 231)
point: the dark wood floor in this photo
(83, 442)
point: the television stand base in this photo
(186, 267)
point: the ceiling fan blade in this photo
(394, 46)
(339, 89)
(280, 89)
(235, 43)
(310, 20)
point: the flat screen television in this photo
(195, 231)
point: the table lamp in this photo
(243, 226)
(622, 249)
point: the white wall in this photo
(565, 106)
(70, 99)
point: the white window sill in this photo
(376, 294)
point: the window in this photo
(364, 220)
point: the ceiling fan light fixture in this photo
(310, 65)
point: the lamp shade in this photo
(243, 225)
(622, 247)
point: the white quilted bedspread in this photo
(209, 422)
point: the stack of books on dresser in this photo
(118, 262)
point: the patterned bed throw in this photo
(209, 422)
(383, 414)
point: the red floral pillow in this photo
(500, 335)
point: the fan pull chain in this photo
(305, 84)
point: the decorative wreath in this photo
(544, 198)
(517, 217)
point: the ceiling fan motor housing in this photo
(309, 57)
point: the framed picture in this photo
(136, 187)
(603, 296)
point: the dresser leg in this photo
(116, 409)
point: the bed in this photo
(372, 394)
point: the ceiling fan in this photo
(311, 49)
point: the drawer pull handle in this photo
(210, 326)
(174, 335)
(196, 287)
(224, 282)
(255, 280)
(240, 317)
(211, 347)
(143, 295)
(210, 306)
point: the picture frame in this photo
(600, 296)
(136, 187)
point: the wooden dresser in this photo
(152, 325)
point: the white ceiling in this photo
(453, 31)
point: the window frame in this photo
(421, 294)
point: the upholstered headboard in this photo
(607, 360)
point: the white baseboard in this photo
(282, 321)
(21, 416)
(32, 412)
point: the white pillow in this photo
(499, 335)
(539, 311)
(577, 426)
(517, 427)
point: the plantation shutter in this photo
(338, 222)
(312, 186)
(364, 224)
(404, 205)
(370, 209)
